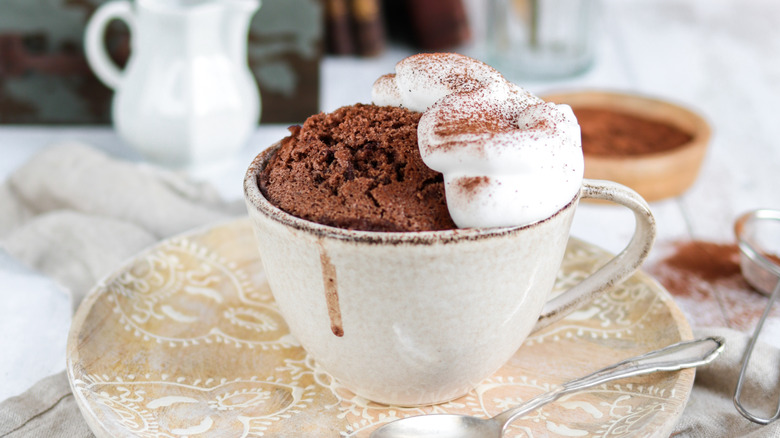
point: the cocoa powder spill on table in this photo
(606, 132)
(707, 280)
(694, 267)
(706, 260)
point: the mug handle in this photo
(97, 56)
(620, 267)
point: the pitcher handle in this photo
(620, 267)
(97, 56)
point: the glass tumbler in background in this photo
(541, 39)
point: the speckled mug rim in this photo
(255, 198)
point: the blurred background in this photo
(671, 47)
(45, 78)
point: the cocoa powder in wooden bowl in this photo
(654, 146)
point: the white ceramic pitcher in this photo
(186, 96)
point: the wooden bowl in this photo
(655, 175)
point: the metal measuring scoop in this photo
(672, 358)
(763, 274)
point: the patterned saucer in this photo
(186, 340)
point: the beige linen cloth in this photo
(75, 214)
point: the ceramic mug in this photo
(420, 318)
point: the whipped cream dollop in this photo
(508, 158)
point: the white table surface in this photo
(720, 57)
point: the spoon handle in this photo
(672, 358)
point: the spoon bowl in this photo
(440, 426)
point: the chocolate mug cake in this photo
(357, 168)
(506, 157)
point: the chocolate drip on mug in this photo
(331, 293)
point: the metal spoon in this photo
(672, 358)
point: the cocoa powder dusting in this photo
(460, 82)
(470, 185)
(461, 76)
(485, 124)
(606, 132)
